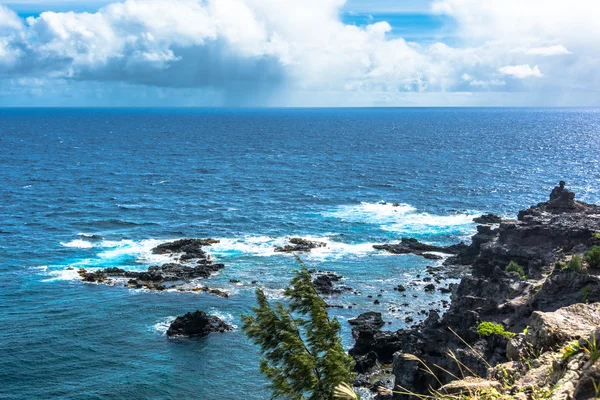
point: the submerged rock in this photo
(197, 324)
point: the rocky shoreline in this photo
(511, 326)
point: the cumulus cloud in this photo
(556, 50)
(521, 71)
(253, 47)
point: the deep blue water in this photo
(250, 178)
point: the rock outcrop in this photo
(197, 324)
(299, 245)
(413, 246)
(192, 263)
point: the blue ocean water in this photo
(100, 187)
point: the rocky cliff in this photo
(541, 313)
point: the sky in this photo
(299, 53)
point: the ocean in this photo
(96, 188)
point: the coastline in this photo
(540, 314)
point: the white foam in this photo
(427, 223)
(63, 275)
(264, 246)
(378, 213)
(403, 218)
(78, 243)
(141, 251)
(225, 317)
(162, 326)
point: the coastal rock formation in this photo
(487, 219)
(413, 246)
(541, 241)
(186, 249)
(197, 324)
(193, 263)
(299, 245)
(324, 283)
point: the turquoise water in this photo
(98, 188)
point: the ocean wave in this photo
(78, 243)
(114, 223)
(67, 274)
(264, 246)
(129, 206)
(140, 250)
(404, 218)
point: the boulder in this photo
(470, 386)
(197, 324)
(368, 320)
(550, 329)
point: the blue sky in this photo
(290, 53)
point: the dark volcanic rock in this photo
(487, 219)
(413, 246)
(194, 264)
(371, 320)
(188, 248)
(299, 245)
(366, 363)
(197, 324)
(324, 284)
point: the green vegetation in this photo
(593, 349)
(575, 264)
(592, 257)
(514, 267)
(489, 328)
(597, 235)
(303, 353)
(586, 293)
(570, 349)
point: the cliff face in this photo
(541, 241)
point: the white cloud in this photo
(556, 50)
(521, 71)
(9, 21)
(244, 47)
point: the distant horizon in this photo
(313, 54)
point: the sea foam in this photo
(78, 243)
(404, 218)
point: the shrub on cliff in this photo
(575, 264)
(487, 329)
(303, 353)
(592, 257)
(514, 267)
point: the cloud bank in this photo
(286, 52)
